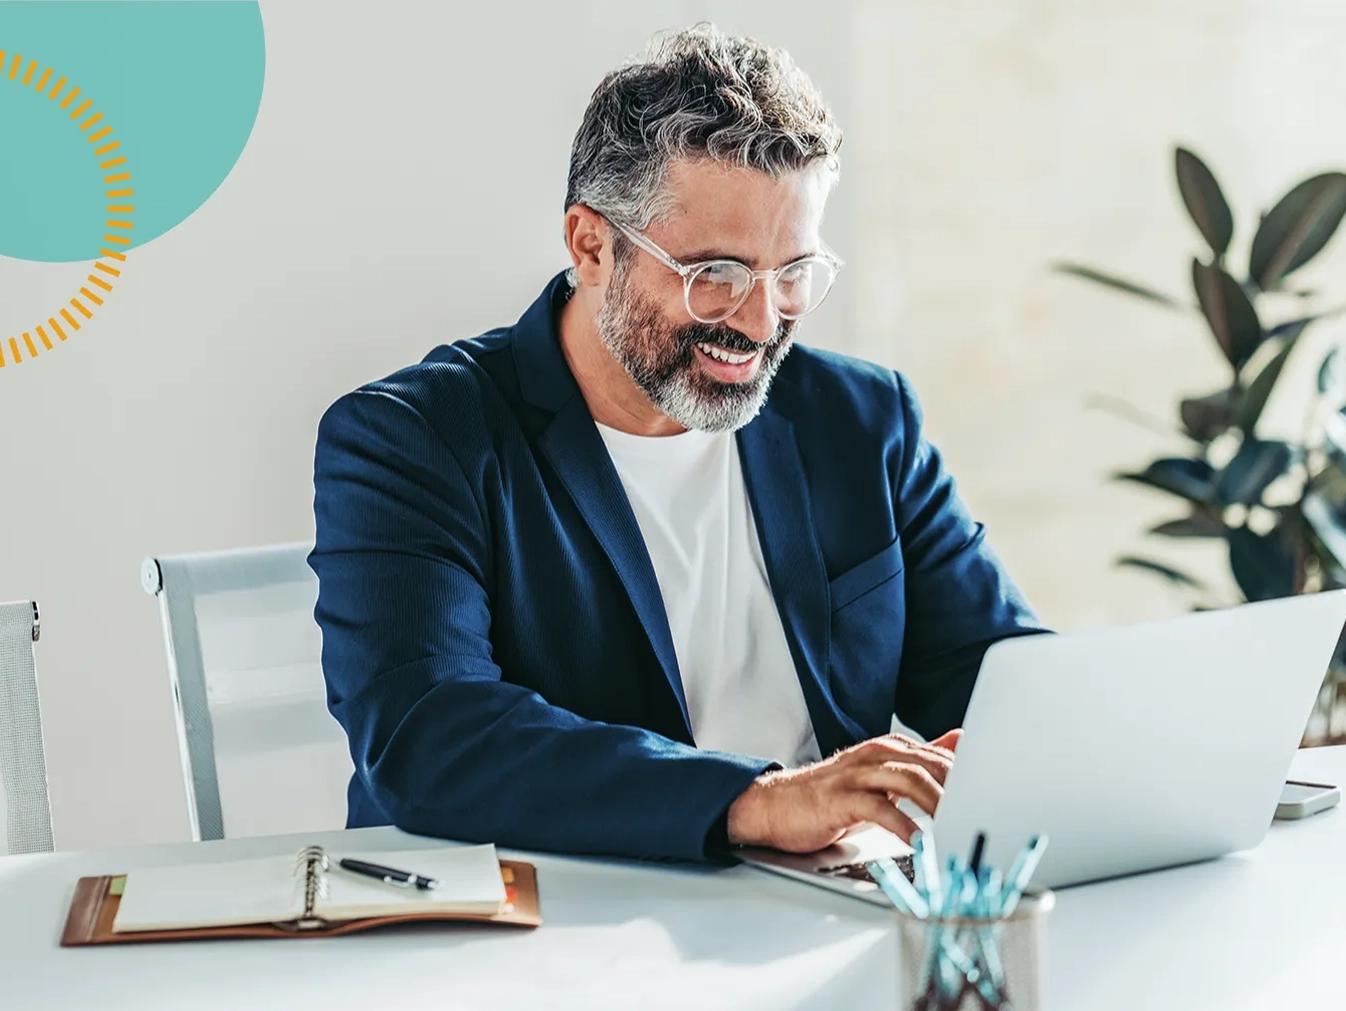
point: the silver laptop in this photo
(1132, 748)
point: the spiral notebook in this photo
(306, 894)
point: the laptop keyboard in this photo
(858, 871)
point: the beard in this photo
(660, 357)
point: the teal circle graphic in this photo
(180, 83)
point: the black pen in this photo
(978, 848)
(388, 875)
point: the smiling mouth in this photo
(720, 354)
(731, 367)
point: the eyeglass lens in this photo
(719, 288)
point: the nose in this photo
(756, 319)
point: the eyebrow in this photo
(700, 255)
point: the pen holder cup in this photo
(975, 964)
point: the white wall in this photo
(403, 188)
(993, 139)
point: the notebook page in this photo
(469, 882)
(211, 895)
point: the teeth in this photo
(720, 355)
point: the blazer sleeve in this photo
(960, 599)
(444, 744)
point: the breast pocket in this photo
(858, 580)
(868, 623)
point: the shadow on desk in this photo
(714, 914)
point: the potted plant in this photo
(1278, 504)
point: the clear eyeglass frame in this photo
(689, 272)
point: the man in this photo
(641, 574)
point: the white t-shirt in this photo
(689, 498)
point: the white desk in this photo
(1260, 930)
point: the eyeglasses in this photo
(715, 289)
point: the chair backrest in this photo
(261, 753)
(25, 811)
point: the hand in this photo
(805, 809)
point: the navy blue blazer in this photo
(494, 640)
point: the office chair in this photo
(25, 810)
(261, 753)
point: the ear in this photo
(589, 242)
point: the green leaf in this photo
(1193, 480)
(1089, 274)
(1330, 480)
(1171, 574)
(1206, 417)
(1205, 203)
(1291, 328)
(1204, 523)
(1297, 228)
(1259, 390)
(1231, 316)
(1264, 564)
(1254, 466)
(1332, 373)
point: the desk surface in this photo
(1256, 930)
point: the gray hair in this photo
(695, 93)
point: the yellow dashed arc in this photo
(108, 268)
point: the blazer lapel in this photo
(566, 436)
(778, 492)
(575, 450)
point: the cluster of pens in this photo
(967, 909)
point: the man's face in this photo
(721, 213)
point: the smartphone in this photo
(1300, 799)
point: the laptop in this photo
(1132, 748)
